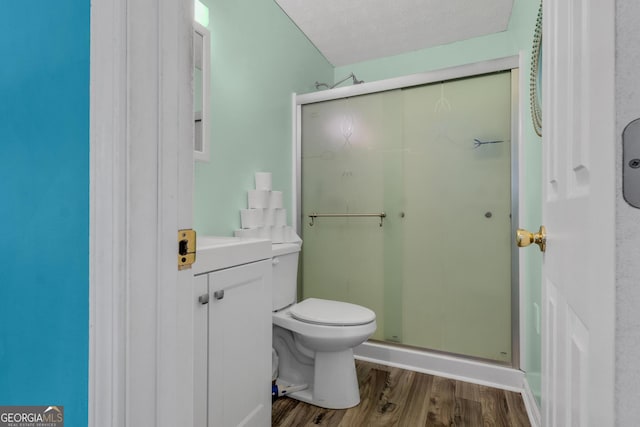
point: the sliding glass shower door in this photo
(429, 170)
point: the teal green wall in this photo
(259, 58)
(517, 39)
(44, 205)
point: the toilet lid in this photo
(333, 313)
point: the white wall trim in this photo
(522, 196)
(141, 131)
(516, 200)
(443, 365)
(108, 222)
(205, 114)
(295, 164)
(533, 410)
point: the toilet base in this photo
(335, 382)
(331, 376)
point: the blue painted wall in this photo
(44, 205)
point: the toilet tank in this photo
(285, 274)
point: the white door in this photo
(141, 331)
(578, 212)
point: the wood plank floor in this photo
(396, 397)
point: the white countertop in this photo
(216, 253)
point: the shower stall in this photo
(407, 201)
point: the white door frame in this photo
(140, 335)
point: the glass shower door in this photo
(457, 225)
(350, 156)
(436, 160)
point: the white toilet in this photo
(314, 339)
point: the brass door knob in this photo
(524, 238)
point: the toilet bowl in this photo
(314, 339)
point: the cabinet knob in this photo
(218, 294)
(203, 299)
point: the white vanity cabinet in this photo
(232, 321)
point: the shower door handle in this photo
(524, 238)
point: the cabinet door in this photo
(240, 346)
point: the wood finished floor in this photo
(396, 397)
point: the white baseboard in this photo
(456, 368)
(533, 410)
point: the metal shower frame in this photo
(510, 63)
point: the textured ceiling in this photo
(350, 31)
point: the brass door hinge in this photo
(186, 248)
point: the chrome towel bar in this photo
(314, 215)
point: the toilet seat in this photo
(331, 313)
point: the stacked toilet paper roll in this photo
(264, 199)
(265, 216)
(263, 181)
